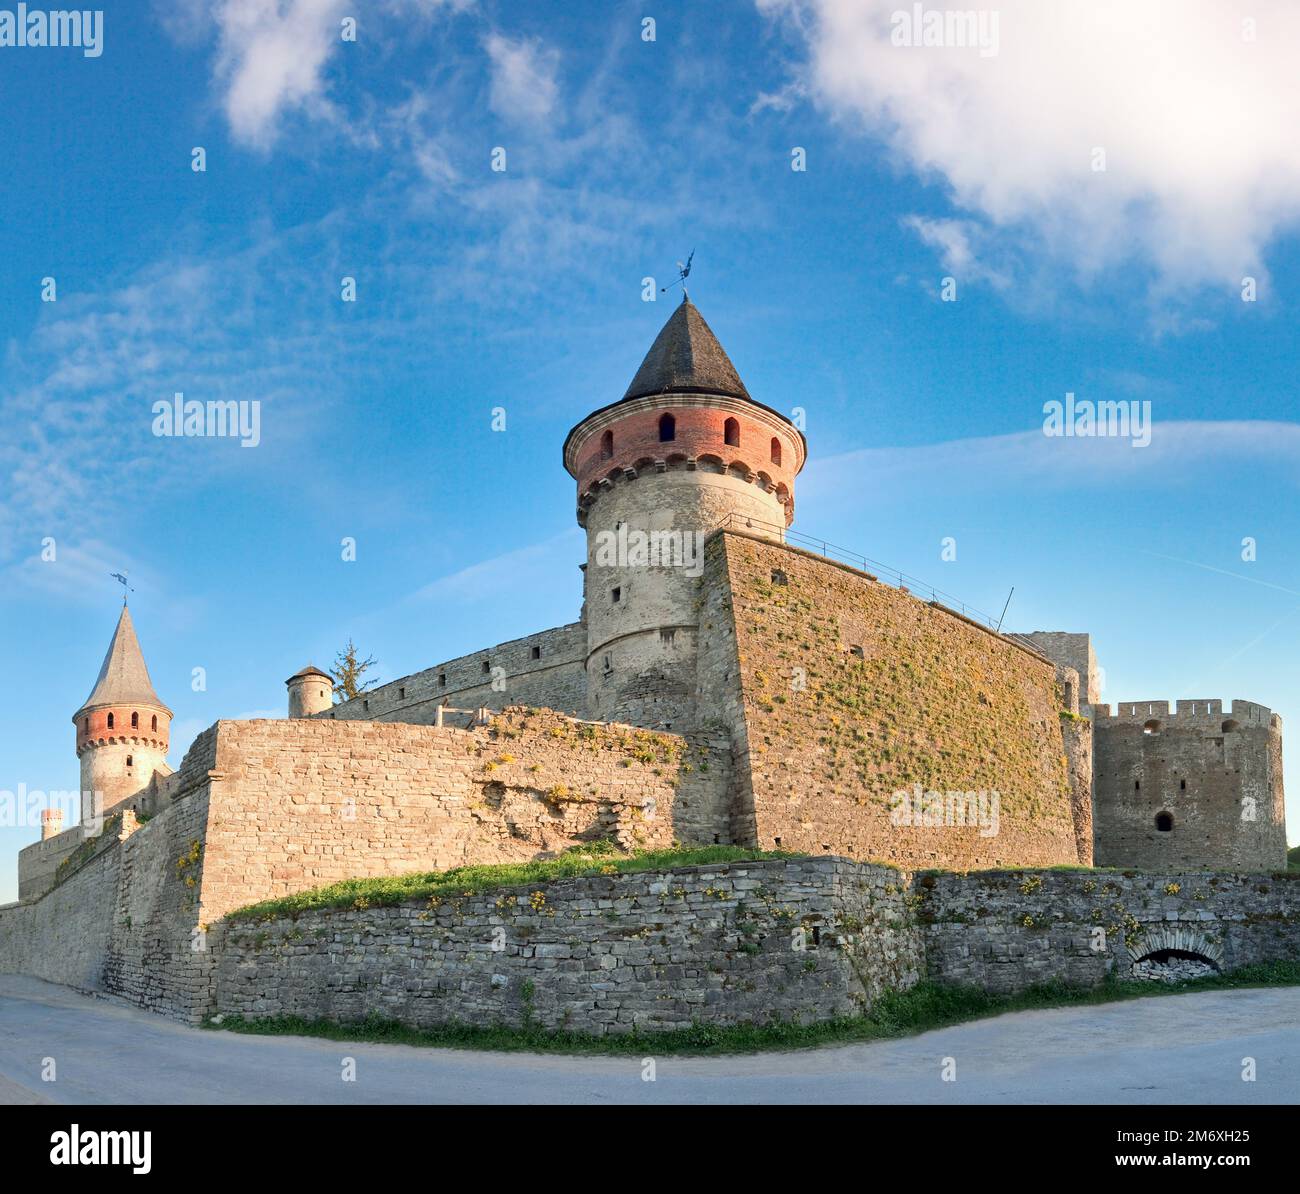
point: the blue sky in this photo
(522, 289)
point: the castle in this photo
(722, 685)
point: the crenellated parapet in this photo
(1192, 714)
(1189, 783)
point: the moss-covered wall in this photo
(854, 691)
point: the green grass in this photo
(1293, 859)
(924, 1007)
(594, 859)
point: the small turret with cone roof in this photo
(122, 727)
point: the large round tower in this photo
(685, 451)
(122, 728)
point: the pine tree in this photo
(347, 672)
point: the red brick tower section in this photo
(685, 451)
(714, 424)
(122, 727)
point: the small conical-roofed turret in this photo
(122, 728)
(310, 691)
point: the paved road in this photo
(1179, 1049)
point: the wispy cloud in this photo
(1029, 458)
(508, 574)
(523, 84)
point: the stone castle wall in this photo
(1214, 777)
(122, 916)
(854, 691)
(1072, 651)
(1004, 931)
(546, 669)
(751, 942)
(302, 803)
(601, 955)
(261, 809)
(38, 864)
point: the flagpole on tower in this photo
(120, 577)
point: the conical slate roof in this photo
(123, 678)
(686, 358)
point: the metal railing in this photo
(874, 568)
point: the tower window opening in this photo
(667, 637)
(130, 761)
(110, 721)
(537, 652)
(609, 667)
(616, 595)
(155, 722)
(776, 450)
(1151, 727)
(1164, 822)
(401, 694)
(1182, 785)
(135, 721)
(731, 433)
(487, 666)
(607, 445)
(1137, 785)
(442, 680)
(667, 429)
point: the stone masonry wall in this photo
(546, 669)
(123, 913)
(734, 943)
(302, 803)
(752, 942)
(854, 691)
(1214, 778)
(1003, 930)
(39, 863)
(64, 936)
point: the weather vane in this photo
(683, 272)
(120, 577)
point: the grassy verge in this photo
(905, 1013)
(599, 858)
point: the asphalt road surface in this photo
(1176, 1049)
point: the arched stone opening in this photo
(1174, 953)
(1164, 822)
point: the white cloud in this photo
(523, 79)
(953, 240)
(1197, 123)
(271, 58)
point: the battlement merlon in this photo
(1201, 713)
